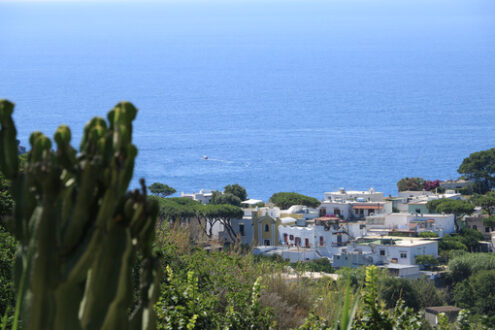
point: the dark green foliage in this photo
(428, 234)
(480, 168)
(427, 294)
(161, 189)
(236, 190)
(470, 237)
(6, 201)
(225, 198)
(320, 265)
(7, 253)
(452, 242)
(457, 207)
(413, 184)
(75, 221)
(487, 201)
(392, 289)
(284, 200)
(477, 293)
(464, 265)
(426, 260)
(372, 316)
(490, 222)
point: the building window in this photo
(241, 230)
(322, 242)
(267, 228)
(403, 255)
(487, 229)
(382, 252)
(291, 237)
(418, 210)
(356, 211)
(475, 227)
(267, 242)
(306, 242)
(285, 238)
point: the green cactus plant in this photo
(80, 231)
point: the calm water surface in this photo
(303, 96)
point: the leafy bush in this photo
(319, 265)
(477, 293)
(392, 289)
(426, 260)
(463, 266)
(285, 200)
(427, 234)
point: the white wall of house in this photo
(442, 223)
(369, 195)
(316, 237)
(335, 208)
(405, 252)
(356, 229)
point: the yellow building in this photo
(265, 226)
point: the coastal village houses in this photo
(349, 228)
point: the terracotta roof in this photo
(328, 219)
(367, 207)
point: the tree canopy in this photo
(413, 184)
(417, 184)
(285, 200)
(480, 168)
(455, 206)
(236, 190)
(486, 202)
(225, 198)
(161, 189)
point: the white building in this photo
(380, 251)
(204, 196)
(357, 196)
(407, 222)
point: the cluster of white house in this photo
(350, 228)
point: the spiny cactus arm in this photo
(103, 277)
(45, 238)
(68, 297)
(66, 155)
(117, 316)
(8, 143)
(81, 209)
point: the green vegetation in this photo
(457, 207)
(487, 201)
(84, 252)
(480, 168)
(80, 232)
(161, 189)
(413, 184)
(236, 190)
(428, 234)
(284, 200)
(426, 260)
(225, 198)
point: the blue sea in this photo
(304, 96)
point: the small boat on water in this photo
(204, 157)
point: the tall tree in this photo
(459, 208)
(486, 202)
(161, 189)
(225, 198)
(414, 184)
(236, 190)
(285, 200)
(479, 167)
